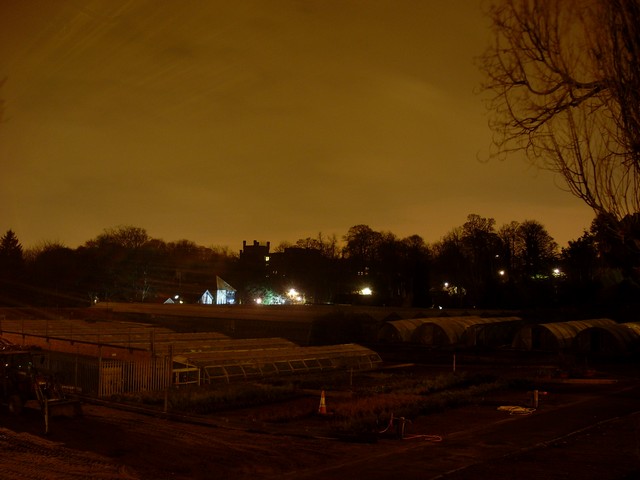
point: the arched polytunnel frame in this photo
(555, 336)
(455, 331)
(398, 331)
(609, 340)
(493, 332)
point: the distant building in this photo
(225, 294)
(253, 269)
(206, 298)
(256, 254)
(254, 261)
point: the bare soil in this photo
(581, 430)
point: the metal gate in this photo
(105, 377)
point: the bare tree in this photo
(31, 254)
(125, 236)
(537, 251)
(508, 234)
(564, 80)
(361, 245)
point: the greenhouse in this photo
(95, 338)
(108, 357)
(492, 332)
(240, 365)
(554, 337)
(397, 331)
(619, 339)
(468, 331)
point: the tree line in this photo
(563, 83)
(475, 265)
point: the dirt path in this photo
(27, 456)
(586, 433)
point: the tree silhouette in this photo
(471, 266)
(564, 80)
(582, 264)
(12, 289)
(11, 256)
(537, 251)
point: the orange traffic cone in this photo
(322, 409)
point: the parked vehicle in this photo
(21, 381)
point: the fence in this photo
(105, 377)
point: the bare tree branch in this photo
(564, 83)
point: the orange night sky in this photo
(223, 121)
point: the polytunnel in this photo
(554, 337)
(446, 331)
(397, 331)
(619, 339)
(492, 332)
(241, 365)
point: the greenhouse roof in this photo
(610, 339)
(554, 336)
(450, 330)
(246, 364)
